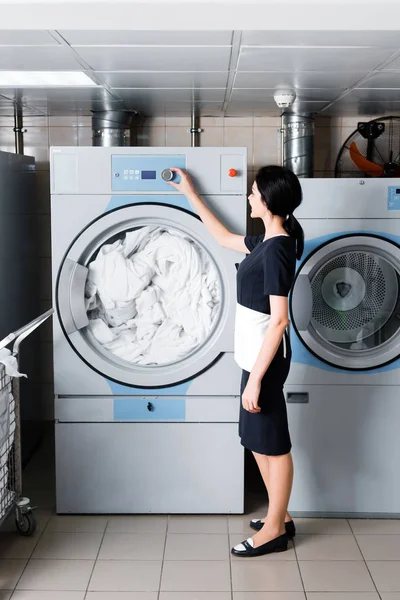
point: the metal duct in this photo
(298, 144)
(111, 128)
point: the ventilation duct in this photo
(111, 128)
(298, 144)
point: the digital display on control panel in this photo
(148, 175)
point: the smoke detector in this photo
(284, 98)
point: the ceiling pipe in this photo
(298, 144)
(195, 129)
(112, 128)
(18, 126)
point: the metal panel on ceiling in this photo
(301, 79)
(152, 38)
(156, 58)
(27, 38)
(384, 39)
(217, 79)
(179, 109)
(244, 95)
(381, 95)
(352, 106)
(394, 64)
(42, 95)
(199, 95)
(383, 79)
(311, 59)
(37, 58)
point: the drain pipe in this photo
(111, 128)
(298, 144)
(18, 127)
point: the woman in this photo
(262, 346)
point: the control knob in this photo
(167, 175)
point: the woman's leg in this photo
(264, 470)
(279, 476)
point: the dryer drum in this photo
(345, 304)
(354, 295)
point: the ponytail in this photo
(294, 229)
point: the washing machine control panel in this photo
(393, 197)
(136, 173)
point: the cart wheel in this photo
(26, 524)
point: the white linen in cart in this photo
(10, 363)
(7, 425)
(7, 432)
(152, 296)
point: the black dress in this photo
(268, 270)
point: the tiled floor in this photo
(188, 558)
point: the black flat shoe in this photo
(257, 524)
(278, 544)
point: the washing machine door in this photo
(75, 316)
(345, 303)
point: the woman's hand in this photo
(250, 396)
(185, 186)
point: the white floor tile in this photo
(196, 576)
(323, 526)
(327, 547)
(14, 545)
(121, 596)
(195, 596)
(125, 576)
(10, 571)
(77, 524)
(342, 596)
(386, 575)
(195, 546)
(271, 576)
(269, 596)
(132, 546)
(335, 576)
(75, 546)
(198, 524)
(379, 547)
(375, 526)
(152, 524)
(25, 595)
(58, 575)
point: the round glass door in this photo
(345, 303)
(142, 298)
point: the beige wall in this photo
(260, 135)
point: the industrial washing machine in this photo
(146, 388)
(343, 390)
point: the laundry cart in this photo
(10, 438)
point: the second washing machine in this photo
(343, 390)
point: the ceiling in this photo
(231, 73)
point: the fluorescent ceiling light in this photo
(45, 79)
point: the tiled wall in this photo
(260, 135)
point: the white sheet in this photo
(152, 296)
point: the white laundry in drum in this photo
(152, 296)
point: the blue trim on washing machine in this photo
(136, 409)
(169, 200)
(300, 354)
(118, 389)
